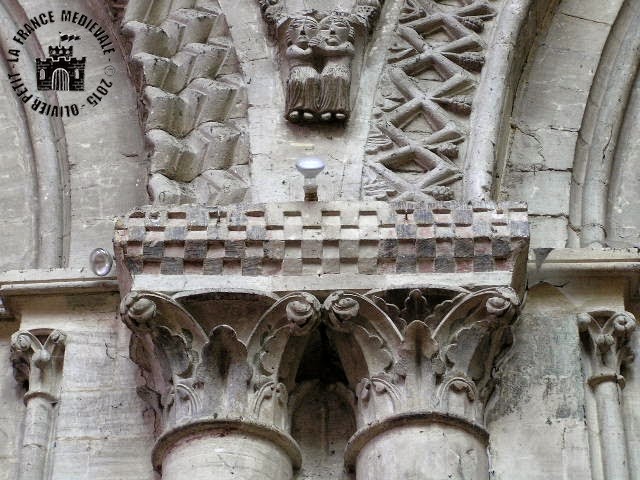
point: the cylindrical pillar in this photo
(223, 450)
(612, 433)
(37, 438)
(39, 367)
(405, 447)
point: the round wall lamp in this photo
(101, 262)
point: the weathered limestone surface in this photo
(101, 426)
(64, 180)
(396, 327)
(570, 152)
(231, 455)
(453, 454)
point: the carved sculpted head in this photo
(335, 29)
(301, 30)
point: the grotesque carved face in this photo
(335, 30)
(301, 31)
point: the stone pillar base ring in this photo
(360, 439)
(212, 426)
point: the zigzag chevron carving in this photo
(183, 61)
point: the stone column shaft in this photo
(424, 445)
(38, 423)
(612, 433)
(226, 456)
(40, 367)
(605, 338)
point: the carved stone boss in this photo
(605, 339)
(317, 49)
(420, 376)
(38, 366)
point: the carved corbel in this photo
(318, 49)
(605, 339)
(38, 366)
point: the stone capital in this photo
(38, 364)
(404, 352)
(605, 337)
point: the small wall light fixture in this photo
(310, 168)
(101, 262)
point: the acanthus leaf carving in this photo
(345, 314)
(437, 353)
(37, 365)
(473, 336)
(416, 307)
(187, 373)
(223, 375)
(270, 404)
(605, 335)
(293, 317)
(392, 311)
(377, 397)
(447, 355)
(418, 366)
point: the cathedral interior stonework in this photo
(320, 239)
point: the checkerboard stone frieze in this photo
(301, 238)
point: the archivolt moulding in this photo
(46, 151)
(596, 159)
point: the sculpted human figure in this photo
(335, 46)
(303, 84)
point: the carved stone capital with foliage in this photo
(605, 337)
(445, 358)
(38, 365)
(403, 352)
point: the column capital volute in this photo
(37, 358)
(605, 336)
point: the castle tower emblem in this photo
(61, 71)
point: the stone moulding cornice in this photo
(312, 239)
(19, 283)
(53, 281)
(567, 263)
